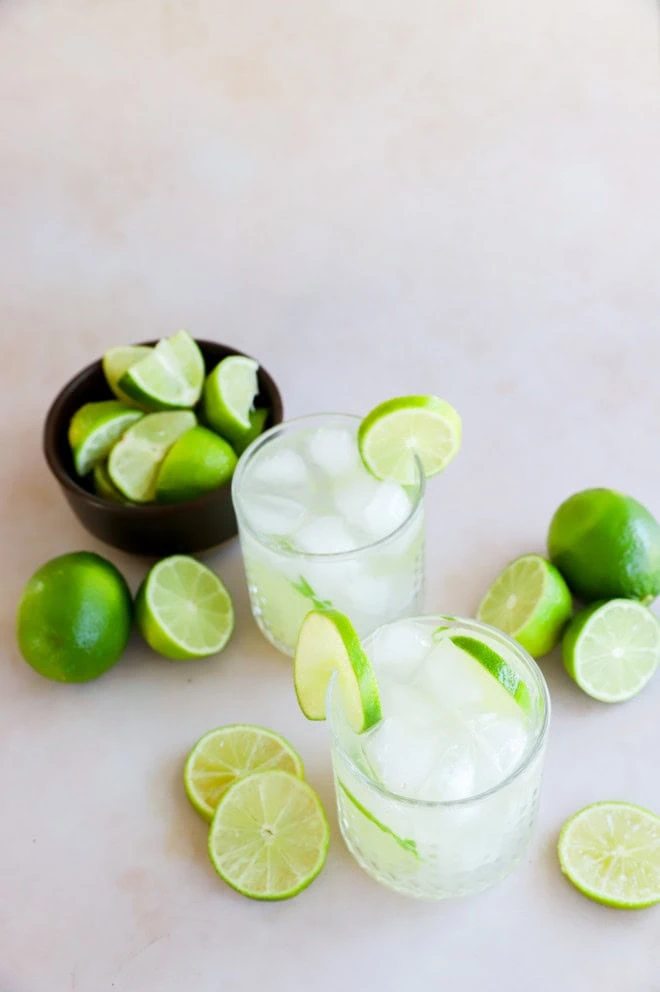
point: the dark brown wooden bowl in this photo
(156, 530)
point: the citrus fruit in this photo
(198, 462)
(94, 428)
(170, 377)
(229, 393)
(118, 360)
(494, 663)
(135, 460)
(241, 441)
(103, 484)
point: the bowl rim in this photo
(67, 481)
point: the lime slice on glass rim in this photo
(328, 643)
(494, 663)
(399, 431)
(95, 427)
(612, 649)
(183, 610)
(610, 851)
(170, 377)
(119, 360)
(135, 460)
(225, 754)
(229, 394)
(269, 836)
(530, 602)
(198, 462)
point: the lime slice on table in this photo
(328, 643)
(226, 754)
(170, 377)
(269, 837)
(229, 393)
(135, 460)
(119, 360)
(183, 610)
(494, 663)
(197, 463)
(398, 431)
(103, 484)
(95, 427)
(530, 601)
(612, 649)
(611, 852)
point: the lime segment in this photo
(183, 609)
(95, 427)
(119, 360)
(228, 753)
(135, 460)
(197, 463)
(229, 393)
(103, 484)
(169, 377)
(611, 852)
(496, 665)
(269, 837)
(530, 601)
(327, 643)
(612, 649)
(241, 441)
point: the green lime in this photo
(183, 610)
(103, 484)
(258, 420)
(195, 464)
(226, 754)
(119, 360)
(135, 461)
(529, 601)
(398, 432)
(328, 643)
(496, 665)
(170, 377)
(611, 852)
(74, 617)
(229, 393)
(606, 545)
(94, 428)
(269, 836)
(404, 843)
(612, 649)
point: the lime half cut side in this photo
(398, 432)
(183, 609)
(170, 377)
(95, 427)
(531, 602)
(611, 852)
(328, 643)
(269, 836)
(229, 394)
(612, 649)
(225, 754)
(498, 667)
(135, 460)
(119, 360)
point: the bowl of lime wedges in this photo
(144, 441)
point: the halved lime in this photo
(258, 420)
(226, 754)
(398, 431)
(103, 484)
(327, 642)
(197, 463)
(95, 427)
(530, 601)
(134, 461)
(229, 393)
(612, 649)
(183, 610)
(269, 837)
(611, 852)
(496, 665)
(170, 377)
(119, 360)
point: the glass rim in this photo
(266, 542)
(535, 744)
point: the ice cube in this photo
(399, 649)
(454, 680)
(335, 450)
(273, 515)
(375, 595)
(498, 744)
(400, 756)
(452, 775)
(352, 497)
(323, 536)
(284, 469)
(386, 511)
(408, 704)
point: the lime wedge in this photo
(119, 360)
(197, 463)
(226, 754)
(183, 610)
(612, 649)
(169, 378)
(611, 853)
(530, 601)
(407, 845)
(94, 428)
(135, 460)
(399, 431)
(496, 665)
(269, 837)
(327, 642)
(258, 420)
(229, 393)
(103, 484)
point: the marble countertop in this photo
(373, 199)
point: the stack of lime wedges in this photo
(147, 444)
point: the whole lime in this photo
(607, 546)
(74, 617)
